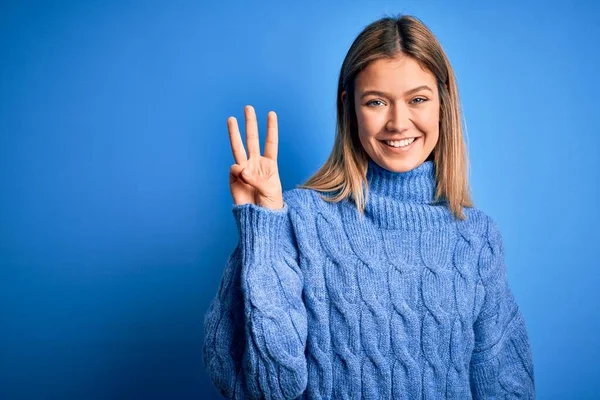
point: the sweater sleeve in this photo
(256, 326)
(501, 364)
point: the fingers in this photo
(237, 147)
(251, 132)
(244, 174)
(252, 141)
(234, 172)
(272, 136)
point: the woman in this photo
(377, 278)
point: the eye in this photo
(370, 103)
(419, 98)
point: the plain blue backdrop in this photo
(116, 221)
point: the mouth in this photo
(397, 148)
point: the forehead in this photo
(394, 75)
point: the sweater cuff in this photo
(260, 229)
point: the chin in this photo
(399, 165)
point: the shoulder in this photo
(483, 225)
(297, 198)
(303, 200)
(491, 264)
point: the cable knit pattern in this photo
(405, 302)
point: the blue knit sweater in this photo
(405, 303)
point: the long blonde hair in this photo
(344, 172)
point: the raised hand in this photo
(254, 178)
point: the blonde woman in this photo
(377, 278)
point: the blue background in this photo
(116, 221)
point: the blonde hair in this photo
(344, 172)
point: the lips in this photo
(398, 139)
(400, 149)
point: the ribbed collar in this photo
(414, 186)
(405, 200)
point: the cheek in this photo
(369, 124)
(431, 118)
(428, 123)
(364, 137)
(363, 127)
(431, 138)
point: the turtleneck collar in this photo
(405, 200)
(415, 186)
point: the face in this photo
(395, 99)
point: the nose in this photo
(398, 118)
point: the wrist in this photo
(273, 205)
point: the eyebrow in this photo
(378, 93)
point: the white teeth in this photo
(400, 143)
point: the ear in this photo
(343, 97)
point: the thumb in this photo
(247, 177)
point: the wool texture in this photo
(405, 302)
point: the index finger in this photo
(235, 139)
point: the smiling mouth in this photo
(400, 148)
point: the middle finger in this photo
(252, 132)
